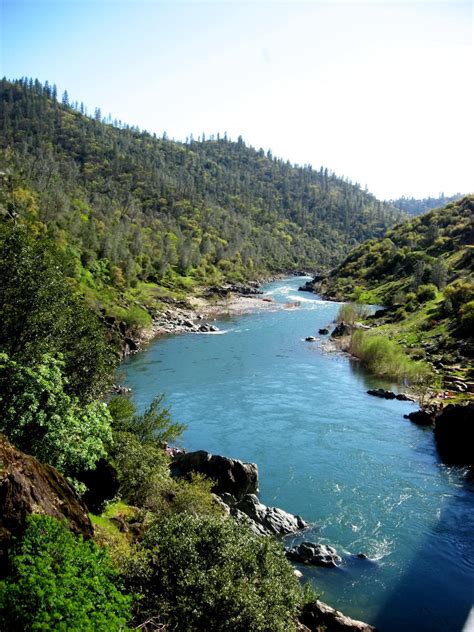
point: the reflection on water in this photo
(368, 480)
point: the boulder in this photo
(323, 331)
(454, 434)
(342, 329)
(319, 616)
(314, 554)
(421, 417)
(230, 475)
(264, 520)
(27, 486)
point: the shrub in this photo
(60, 582)
(426, 292)
(385, 357)
(142, 470)
(351, 312)
(467, 316)
(211, 574)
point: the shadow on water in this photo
(444, 595)
(434, 596)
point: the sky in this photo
(379, 92)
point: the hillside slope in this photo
(131, 208)
(423, 270)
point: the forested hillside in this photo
(130, 208)
(412, 206)
(423, 270)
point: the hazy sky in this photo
(380, 92)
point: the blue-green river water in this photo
(368, 480)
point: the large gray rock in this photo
(265, 520)
(314, 554)
(318, 616)
(230, 475)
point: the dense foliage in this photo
(208, 573)
(59, 582)
(42, 419)
(130, 208)
(40, 313)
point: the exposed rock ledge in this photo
(236, 486)
(318, 616)
(231, 476)
(27, 486)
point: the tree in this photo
(227, 578)
(40, 313)
(60, 582)
(155, 426)
(40, 418)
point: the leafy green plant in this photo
(349, 313)
(426, 292)
(39, 417)
(207, 573)
(154, 426)
(60, 582)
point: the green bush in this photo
(207, 573)
(426, 292)
(351, 312)
(386, 358)
(467, 316)
(142, 469)
(40, 418)
(59, 582)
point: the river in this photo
(367, 479)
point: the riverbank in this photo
(196, 315)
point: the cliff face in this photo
(27, 486)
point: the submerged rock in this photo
(28, 486)
(314, 554)
(230, 475)
(318, 616)
(454, 434)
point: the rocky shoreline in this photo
(235, 490)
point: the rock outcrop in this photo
(454, 434)
(314, 554)
(263, 520)
(318, 616)
(231, 476)
(380, 392)
(342, 329)
(421, 417)
(27, 486)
